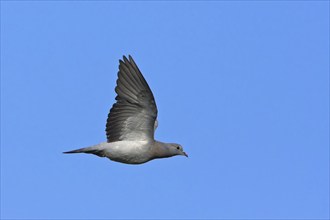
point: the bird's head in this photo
(176, 149)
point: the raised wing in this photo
(134, 114)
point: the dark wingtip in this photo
(125, 59)
(122, 60)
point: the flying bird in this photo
(132, 122)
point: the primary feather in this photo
(133, 115)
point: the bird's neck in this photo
(161, 150)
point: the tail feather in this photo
(96, 149)
(81, 150)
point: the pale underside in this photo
(131, 152)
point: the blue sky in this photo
(243, 86)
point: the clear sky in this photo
(242, 86)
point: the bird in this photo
(131, 122)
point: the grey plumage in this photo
(133, 116)
(132, 122)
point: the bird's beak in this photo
(184, 153)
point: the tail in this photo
(81, 150)
(95, 149)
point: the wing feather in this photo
(133, 115)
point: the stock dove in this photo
(132, 122)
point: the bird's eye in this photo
(178, 148)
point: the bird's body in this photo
(132, 122)
(131, 152)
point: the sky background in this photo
(242, 86)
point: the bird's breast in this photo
(130, 152)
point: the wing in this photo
(134, 114)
